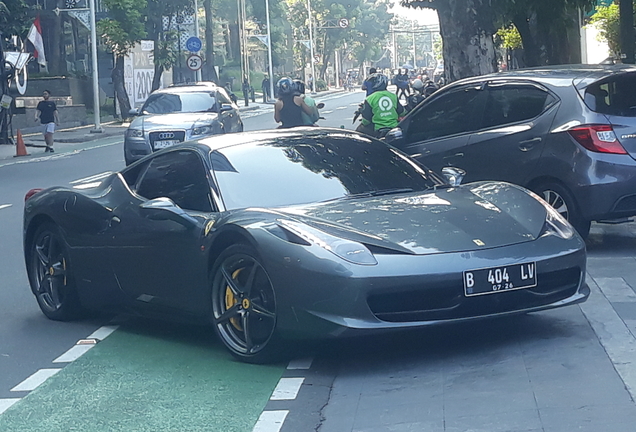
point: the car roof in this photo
(217, 142)
(189, 87)
(555, 74)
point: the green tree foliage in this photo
(607, 20)
(510, 37)
(548, 29)
(120, 32)
(14, 18)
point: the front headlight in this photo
(202, 130)
(556, 224)
(134, 133)
(348, 250)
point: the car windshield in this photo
(301, 170)
(164, 103)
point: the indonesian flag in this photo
(35, 36)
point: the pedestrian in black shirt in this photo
(46, 112)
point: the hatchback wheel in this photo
(50, 275)
(559, 198)
(244, 305)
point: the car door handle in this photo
(460, 154)
(529, 144)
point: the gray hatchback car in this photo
(568, 133)
(180, 113)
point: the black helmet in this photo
(285, 86)
(299, 87)
(378, 81)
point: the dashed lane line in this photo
(617, 340)
(32, 382)
(287, 389)
(270, 421)
(4, 206)
(6, 403)
(304, 363)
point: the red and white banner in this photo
(35, 36)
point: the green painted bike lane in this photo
(149, 376)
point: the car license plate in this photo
(165, 143)
(497, 279)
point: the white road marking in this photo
(73, 354)
(300, 363)
(616, 289)
(326, 112)
(616, 338)
(341, 108)
(287, 389)
(4, 206)
(103, 332)
(6, 403)
(92, 178)
(35, 380)
(270, 421)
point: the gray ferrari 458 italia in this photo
(272, 235)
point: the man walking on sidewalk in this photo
(46, 112)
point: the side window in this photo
(223, 98)
(450, 114)
(180, 176)
(511, 103)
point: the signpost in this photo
(194, 44)
(194, 62)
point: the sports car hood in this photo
(150, 122)
(474, 216)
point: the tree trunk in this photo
(467, 30)
(120, 87)
(210, 71)
(156, 79)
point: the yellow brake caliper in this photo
(231, 300)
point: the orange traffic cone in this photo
(20, 148)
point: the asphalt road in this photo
(572, 369)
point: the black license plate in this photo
(498, 279)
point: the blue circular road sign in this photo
(194, 44)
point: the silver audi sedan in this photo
(180, 113)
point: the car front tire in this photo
(50, 275)
(244, 311)
(561, 199)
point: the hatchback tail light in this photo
(597, 138)
(32, 192)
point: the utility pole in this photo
(626, 14)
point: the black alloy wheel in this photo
(244, 305)
(50, 275)
(559, 198)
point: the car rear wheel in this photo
(50, 275)
(244, 305)
(559, 198)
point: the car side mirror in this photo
(225, 108)
(394, 135)
(165, 209)
(133, 112)
(453, 175)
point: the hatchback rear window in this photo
(613, 96)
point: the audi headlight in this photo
(202, 130)
(348, 250)
(134, 133)
(556, 224)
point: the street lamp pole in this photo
(196, 31)
(311, 47)
(269, 51)
(98, 126)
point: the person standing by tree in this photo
(46, 112)
(265, 87)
